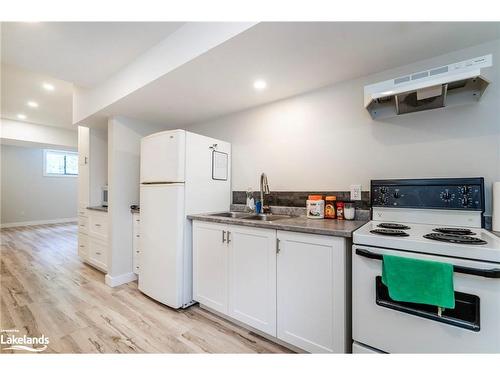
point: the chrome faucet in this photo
(264, 189)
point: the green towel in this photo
(419, 281)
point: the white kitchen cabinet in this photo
(293, 286)
(98, 224)
(210, 265)
(83, 246)
(98, 253)
(92, 166)
(83, 169)
(252, 276)
(92, 238)
(311, 284)
(136, 242)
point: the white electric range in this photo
(431, 219)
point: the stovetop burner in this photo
(460, 231)
(393, 226)
(455, 238)
(390, 232)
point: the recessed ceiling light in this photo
(32, 104)
(20, 116)
(259, 85)
(48, 87)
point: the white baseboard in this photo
(38, 222)
(113, 281)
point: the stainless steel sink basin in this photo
(235, 215)
(268, 217)
(250, 216)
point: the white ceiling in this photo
(85, 53)
(20, 86)
(293, 58)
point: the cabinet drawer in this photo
(83, 245)
(83, 224)
(98, 253)
(98, 225)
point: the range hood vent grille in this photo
(440, 87)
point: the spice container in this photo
(315, 207)
(340, 210)
(349, 210)
(330, 202)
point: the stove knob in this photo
(382, 200)
(383, 190)
(396, 194)
(465, 190)
(465, 201)
(446, 195)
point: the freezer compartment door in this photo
(162, 243)
(163, 157)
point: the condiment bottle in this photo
(330, 202)
(315, 207)
(340, 210)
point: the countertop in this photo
(98, 208)
(339, 228)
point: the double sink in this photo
(249, 216)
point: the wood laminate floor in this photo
(46, 289)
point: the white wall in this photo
(23, 133)
(27, 195)
(124, 136)
(326, 140)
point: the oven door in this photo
(394, 327)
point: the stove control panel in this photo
(435, 193)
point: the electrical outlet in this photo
(355, 192)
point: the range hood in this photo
(444, 86)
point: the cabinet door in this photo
(98, 253)
(210, 265)
(83, 246)
(312, 292)
(83, 167)
(252, 277)
(98, 224)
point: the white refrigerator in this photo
(182, 173)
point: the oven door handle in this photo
(493, 273)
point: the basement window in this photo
(60, 163)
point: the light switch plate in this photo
(355, 192)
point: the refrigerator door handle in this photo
(223, 236)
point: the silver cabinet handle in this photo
(137, 235)
(223, 236)
(97, 225)
(98, 253)
(228, 238)
(277, 246)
